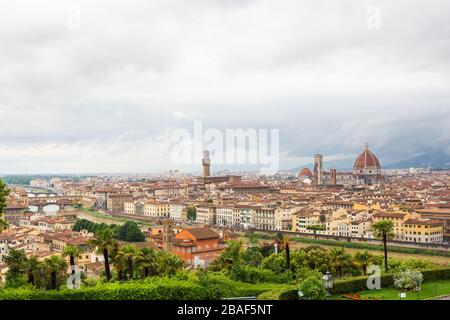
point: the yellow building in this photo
(398, 220)
(362, 206)
(302, 220)
(424, 230)
(157, 209)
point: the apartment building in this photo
(283, 217)
(157, 209)
(176, 210)
(302, 220)
(206, 214)
(361, 228)
(264, 218)
(424, 230)
(134, 207)
(245, 216)
(115, 202)
(225, 215)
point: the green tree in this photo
(147, 259)
(126, 260)
(409, 280)
(130, 232)
(384, 230)
(191, 213)
(15, 260)
(312, 289)
(120, 265)
(340, 262)
(322, 218)
(31, 267)
(104, 241)
(54, 265)
(275, 262)
(169, 263)
(363, 258)
(4, 192)
(231, 255)
(73, 252)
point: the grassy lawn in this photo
(429, 290)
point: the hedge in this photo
(173, 290)
(213, 287)
(358, 284)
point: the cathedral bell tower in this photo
(167, 238)
(318, 169)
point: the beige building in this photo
(157, 209)
(283, 217)
(134, 207)
(176, 210)
(206, 214)
(264, 218)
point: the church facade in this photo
(366, 171)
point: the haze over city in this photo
(96, 87)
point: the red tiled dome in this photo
(366, 160)
(305, 172)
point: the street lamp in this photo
(327, 280)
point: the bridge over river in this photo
(62, 202)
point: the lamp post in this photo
(327, 280)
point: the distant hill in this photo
(435, 160)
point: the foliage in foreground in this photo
(408, 280)
(184, 286)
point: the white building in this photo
(176, 210)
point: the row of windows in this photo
(198, 248)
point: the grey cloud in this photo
(133, 72)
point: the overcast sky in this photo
(105, 95)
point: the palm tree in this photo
(169, 262)
(54, 265)
(73, 252)
(147, 259)
(120, 265)
(15, 261)
(105, 240)
(229, 257)
(384, 229)
(31, 267)
(128, 254)
(363, 258)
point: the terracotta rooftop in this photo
(202, 233)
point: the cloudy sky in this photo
(99, 86)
